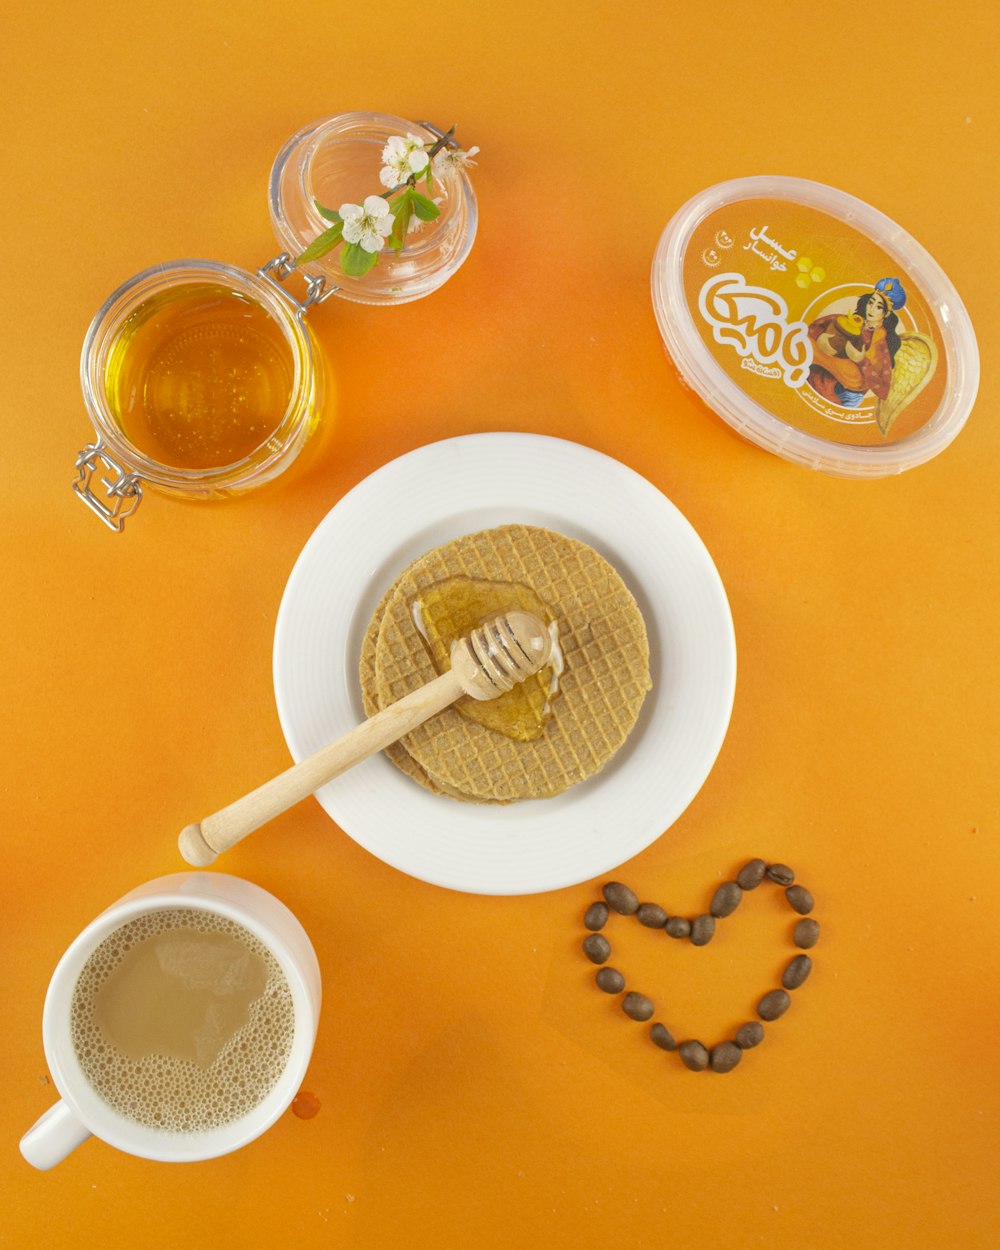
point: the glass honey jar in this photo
(204, 380)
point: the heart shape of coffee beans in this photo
(699, 930)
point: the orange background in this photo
(475, 1088)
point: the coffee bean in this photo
(781, 873)
(596, 916)
(796, 972)
(748, 1035)
(751, 875)
(610, 980)
(651, 915)
(620, 898)
(678, 927)
(661, 1036)
(725, 900)
(806, 933)
(597, 948)
(725, 1057)
(702, 930)
(694, 1055)
(773, 1005)
(637, 1006)
(800, 898)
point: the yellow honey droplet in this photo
(805, 264)
(802, 280)
(817, 274)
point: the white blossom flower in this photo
(451, 160)
(401, 158)
(367, 224)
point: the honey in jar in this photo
(203, 380)
(199, 376)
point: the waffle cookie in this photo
(396, 751)
(605, 658)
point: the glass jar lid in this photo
(336, 161)
(815, 326)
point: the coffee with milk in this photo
(182, 1020)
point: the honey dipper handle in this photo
(201, 843)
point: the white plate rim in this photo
(454, 486)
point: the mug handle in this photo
(50, 1139)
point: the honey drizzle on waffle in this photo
(451, 609)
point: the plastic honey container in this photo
(815, 326)
(204, 380)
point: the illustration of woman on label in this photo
(864, 351)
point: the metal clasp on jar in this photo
(122, 492)
(280, 268)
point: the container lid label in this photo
(814, 321)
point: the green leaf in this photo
(355, 261)
(322, 244)
(425, 209)
(430, 177)
(397, 205)
(401, 227)
(330, 214)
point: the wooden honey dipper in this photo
(501, 652)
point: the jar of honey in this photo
(204, 380)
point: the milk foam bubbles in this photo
(182, 1020)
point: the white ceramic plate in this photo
(455, 487)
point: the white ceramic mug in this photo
(82, 1113)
